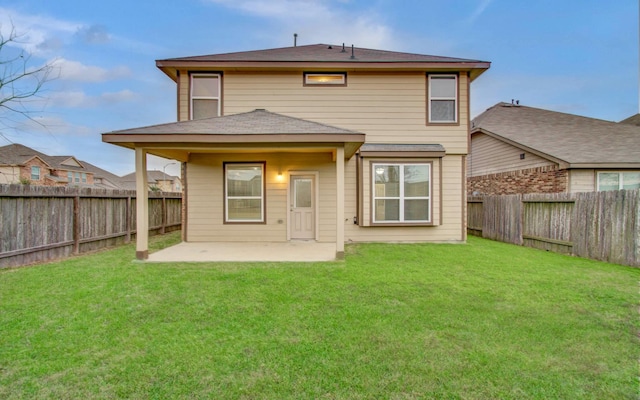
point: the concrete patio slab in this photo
(236, 251)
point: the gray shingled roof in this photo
(633, 120)
(567, 137)
(18, 154)
(320, 53)
(257, 122)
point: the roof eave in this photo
(170, 67)
(351, 141)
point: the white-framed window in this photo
(77, 175)
(205, 95)
(325, 79)
(401, 192)
(35, 173)
(618, 180)
(443, 98)
(84, 177)
(244, 192)
(69, 176)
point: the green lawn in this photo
(483, 320)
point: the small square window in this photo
(325, 79)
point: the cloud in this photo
(478, 11)
(79, 99)
(76, 71)
(320, 21)
(37, 34)
(94, 34)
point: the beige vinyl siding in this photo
(9, 174)
(183, 96)
(491, 156)
(582, 180)
(389, 108)
(447, 197)
(206, 197)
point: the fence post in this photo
(76, 224)
(128, 219)
(164, 214)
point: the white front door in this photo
(303, 213)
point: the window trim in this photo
(401, 198)
(456, 99)
(37, 175)
(306, 82)
(620, 178)
(192, 97)
(263, 197)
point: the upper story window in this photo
(84, 177)
(205, 95)
(443, 99)
(325, 79)
(618, 180)
(35, 173)
(69, 176)
(77, 175)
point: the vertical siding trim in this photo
(185, 202)
(340, 203)
(463, 194)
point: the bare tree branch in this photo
(19, 82)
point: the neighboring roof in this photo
(326, 55)
(18, 154)
(153, 176)
(258, 127)
(633, 120)
(99, 173)
(571, 140)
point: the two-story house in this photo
(318, 142)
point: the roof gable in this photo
(573, 139)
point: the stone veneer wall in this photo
(548, 179)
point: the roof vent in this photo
(353, 56)
(343, 49)
(295, 40)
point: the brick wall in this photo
(534, 180)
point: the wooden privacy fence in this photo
(598, 225)
(39, 223)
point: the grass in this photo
(484, 320)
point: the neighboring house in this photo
(315, 142)
(22, 164)
(519, 149)
(157, 180)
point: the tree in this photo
(19, 82)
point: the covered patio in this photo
(284, 150)
(243, 252)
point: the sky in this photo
(574, 56)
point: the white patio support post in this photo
(340, 203)
(142, 206)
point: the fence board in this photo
(43, 223)
(599, 225)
